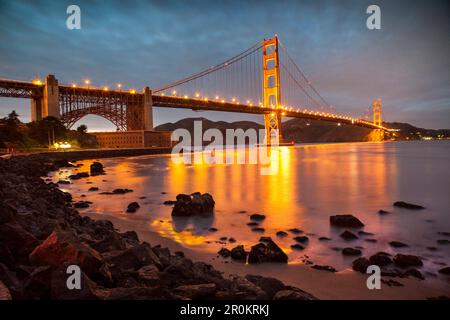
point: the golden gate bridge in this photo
(263, 79)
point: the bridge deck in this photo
(24, 89)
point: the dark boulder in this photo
(297, 246)
(383, 212)
(268, 252)
(258, 229)
(79, 176)
(347, 235)
(324, 239)
(361, 264)
(407, 260)
(290, 293)
(414, 273)
(324, 268)
(96, 168)
(351, 252)
(380, 259)
(265, 239)
(269, 285)
(63, 247)
(93, 189)
(224, 252)
(194, 204)
(281, 234)
(239, 253)
(443, 241)
(257, 217)
(301, 239)
(132, 207)
(295, 230)
(346, 221)
(407, 205)
(398, 244)
(445, 270)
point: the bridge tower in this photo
(376, 107)
(48, 104)
(271, 88)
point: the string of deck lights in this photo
(217, 98)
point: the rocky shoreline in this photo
(42, 234)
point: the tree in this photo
(82, 129)
(10, 129)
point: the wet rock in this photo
(324, 268)
(96, 168)
(63, 164)
(392, 283)
(281, 234)
(324, 239)
(17, 242)
(257, 217)
(347, 235)
(269, 285)
(4, 292)
(301, 239)
(363, 233)
(445, 271)
(361, 264)
(398, 244)
(297, 247)
(194, 204)
(63, 247)
(293, 295)
(346, 221)
(351, 252)
(258, 229)
(443, 241)
(383, 212)
(121, 191)
(196, 291)
(268, 252)
(79, 175)
(380, 259)
(93, 189)
(265, 239)
(239, 253)
(133, 258)
(414, 273)
(149, 275)
(407, 205)
(406, 261)
(224, 252)
(295, 231)
(82, 204)
(132, 207)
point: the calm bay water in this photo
(312, 183)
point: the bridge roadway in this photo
(24, 89)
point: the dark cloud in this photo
(138, 43)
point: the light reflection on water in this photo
(312, 183)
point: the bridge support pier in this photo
(48, 105)
(148, 109)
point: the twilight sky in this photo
(139, 43)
